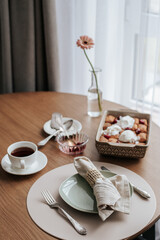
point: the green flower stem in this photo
(99, 101)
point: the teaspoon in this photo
(65, 126)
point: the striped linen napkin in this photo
(111, 194)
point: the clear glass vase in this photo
(95, 94)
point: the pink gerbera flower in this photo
(85, 42)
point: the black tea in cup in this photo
(22, 152)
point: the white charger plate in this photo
(76, 127)
(117, 226)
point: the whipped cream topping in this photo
(126, 122)
(113, 130)
(128, 136)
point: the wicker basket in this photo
(123, 149)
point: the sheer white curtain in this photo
(142, 38)
(126, 49)
(103, 21)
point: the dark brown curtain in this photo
(28, 46)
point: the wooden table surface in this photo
(22, 116)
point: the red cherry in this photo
(115, 120)
(107, 136)
(141, 121)
(127, 128)
(79, 143)
(138, 130)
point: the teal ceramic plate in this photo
(77, 193)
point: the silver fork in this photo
(53, 204)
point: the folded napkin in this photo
(111, 194)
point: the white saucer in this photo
(37, 166)
(76, 127)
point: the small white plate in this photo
(76, 127)
(37, 166)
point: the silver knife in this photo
(142, 192)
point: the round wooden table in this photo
(22, 116)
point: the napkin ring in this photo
(92, 176)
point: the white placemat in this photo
(117, 226)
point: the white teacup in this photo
(22, 154)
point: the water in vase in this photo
(93, 107)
